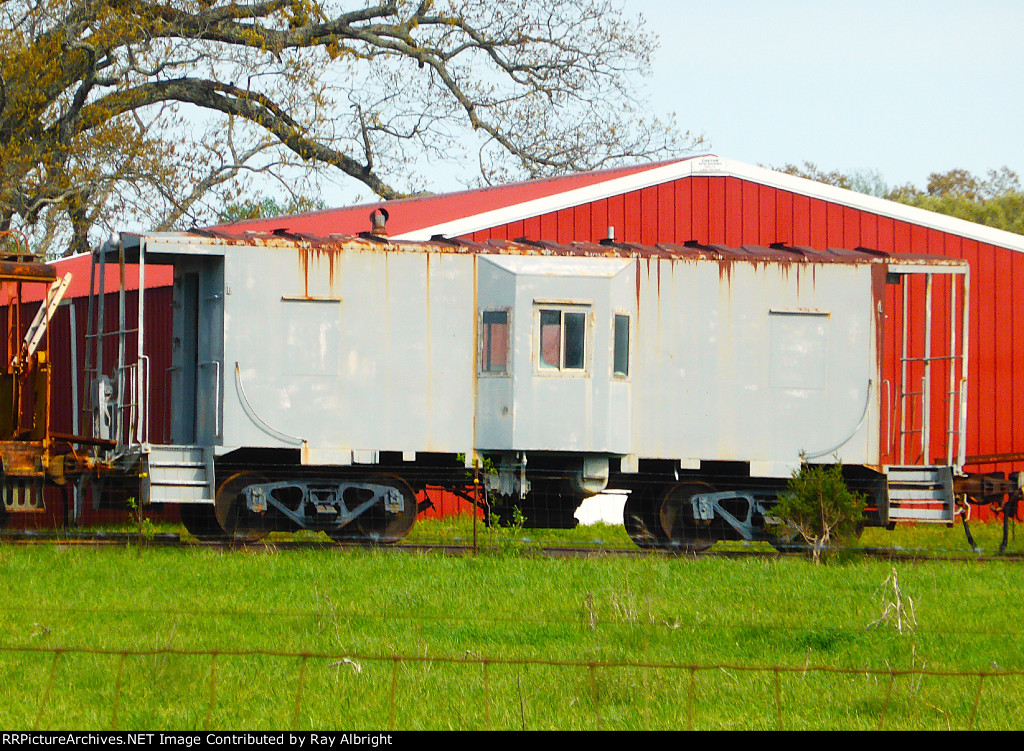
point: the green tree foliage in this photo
(264, 207)
(996, 200)
(160, 111)
(819, 508)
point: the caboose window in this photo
(494, 352)
(620, 364)
(563, 340)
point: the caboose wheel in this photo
(236, 521)
(201, 521)
(639, 517)
(382, 525)
(675, 516)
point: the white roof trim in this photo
(719, 167)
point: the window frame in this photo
(483, 342)
(616, 374)
(585, 309)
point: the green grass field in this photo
(265, 638)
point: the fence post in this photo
(689, 702)
(593, 690)
(117, 691)
(778, 698)
(46, 693)
(298, 692)
(888, 695)
(977, 699)
(394, 688)
(213, 689)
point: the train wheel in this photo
(201, 521)
(639, 517)
(349, 533)
(232, 516)
(675, 516)
(380, 525)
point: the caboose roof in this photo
(202, 241)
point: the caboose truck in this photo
(320, 383)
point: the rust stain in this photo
(637, 264)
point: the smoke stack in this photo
(378, 222)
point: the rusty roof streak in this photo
(690, 251)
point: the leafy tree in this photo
(996, 200)
(818, 507)
(162, 110)
(869, 182)
(262, 207)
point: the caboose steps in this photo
(922, 494)
(179, 474)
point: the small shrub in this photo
(818, 507)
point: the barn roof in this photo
(465, 212)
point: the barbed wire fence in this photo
(779, 701)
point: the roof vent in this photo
(378, 222)
(610, 237)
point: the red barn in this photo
(717, 201)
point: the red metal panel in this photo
(851, 228)
(648, 215)
(834, 226)
(733, 209)
(784, 212)
(598, 221)
(581, 221)
(801, 220)
(716, 210)
(617, 217)
(531, 228)
(1000, 285)
(766, 202)
(970, 253)
(666, 224)
(901, 237)
(632, 220)
(701, 209)
(566, 222)
(548, 226)
(1016, 324)
(918, 239)
(868, 230)
(684, 210)
(819, 224)
(886, 238)
(751, 213)
(985, 345)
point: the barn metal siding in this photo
(733, 211)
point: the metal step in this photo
(922, 494)
(179, 474)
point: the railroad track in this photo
(115, 539)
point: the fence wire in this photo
(702, 696)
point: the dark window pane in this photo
(495, 334)
(621, 364)
(575, 336)
(550, 338)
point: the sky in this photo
(899, 88)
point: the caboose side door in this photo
(197, 371)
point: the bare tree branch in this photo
(100, 99)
